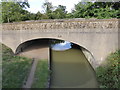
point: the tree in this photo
(24, 4)
(53, 12)
(48, 7)
(60, 12)
(82, 10)
(13, 11)
(69, 15)
(48, 10)
(98, 10)
(110, 9)
(38, 15)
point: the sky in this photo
(36, 5)
(62, 46)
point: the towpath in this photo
(36, 52)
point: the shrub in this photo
(107, 74)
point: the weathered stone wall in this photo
(90, 58)
(63, 24)
(98, 36)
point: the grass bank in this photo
(14, 69)
(41, 75)
(108, 73)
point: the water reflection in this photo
(70, 68)
(61, 46)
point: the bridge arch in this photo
(85, 51)
(100, 37)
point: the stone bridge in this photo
(99, 37)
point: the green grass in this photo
(108, 74)
(41, 75)
(14, 69)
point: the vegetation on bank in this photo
(108, 74)
(41, 75)
(99, 10)
(14, 69)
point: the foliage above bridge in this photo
(12, 12)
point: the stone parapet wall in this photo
(63, 24)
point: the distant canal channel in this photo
(70, 68)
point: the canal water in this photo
(70, 68)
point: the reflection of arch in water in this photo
(70, 69)
(87, 54)
(26, 44)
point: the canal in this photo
(68, 65)
(70, 68)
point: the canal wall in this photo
(90, 58)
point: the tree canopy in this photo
(54, 12)
(98, 10)
(15, 11)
